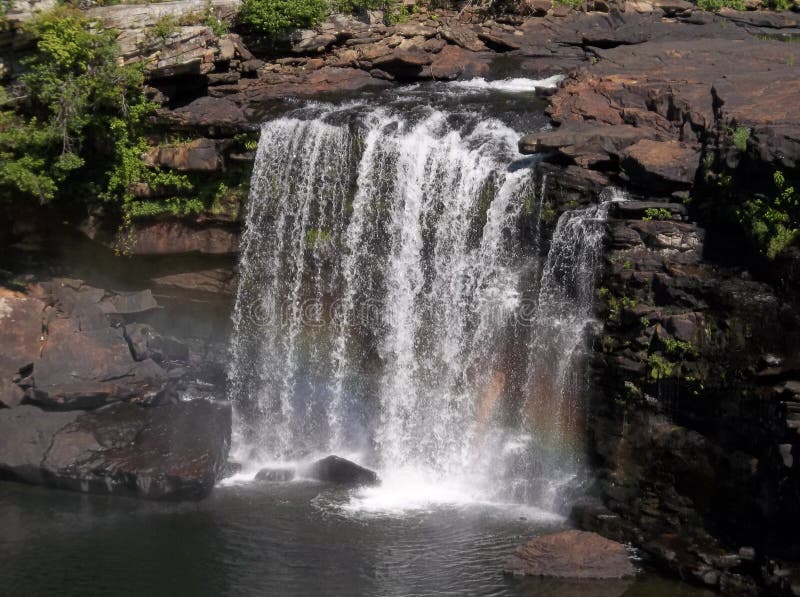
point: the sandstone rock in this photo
(208, 114)
(454, 62)
(21, 338)
(214, 281)
(171, 237)
(661, 166)
(539, 8)
(199, 155)
(146, 343)
(173, 451)
(89, 369)
(498, 43)
(572, 554)
(403, 64)
(333, 469)
(586, 144)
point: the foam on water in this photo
(515, 85)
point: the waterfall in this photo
(388, 308)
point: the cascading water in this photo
(388, 307)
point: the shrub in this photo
(740, 137)
(72, 87)
(772, 224)
(657, 213)
(272, 17)
(715, 5)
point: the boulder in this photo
(453, 62)
(572, 554)
(175, 451)
(661, 165)
(199, 155)
(333, 469)
(276, 474)
(146, 343)
(87, 369)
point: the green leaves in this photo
(74, 91)
(772, 223)
(272, 17)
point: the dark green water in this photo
(291, 539)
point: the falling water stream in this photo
(390, 311)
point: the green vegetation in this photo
(73, 131)
(548, 213)
(272, 17)
(657, 213)
(73, 98)
(740, 137)
(772, 224)
(779, 4)
(576, 4)
(616, 304)
(661, 368)
(715, 5)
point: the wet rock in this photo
(334, 469)
(175, 451)
(276, 475)
(146, 343)
(572, 554)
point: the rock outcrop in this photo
(175, 451)
(334, 469)
(572, 554)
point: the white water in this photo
(388, 311)
(515, 85)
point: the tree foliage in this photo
(74, 126)
(271, 17)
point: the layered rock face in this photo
(90, 399)
(692, 422)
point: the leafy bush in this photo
(657, 213)
(715, 5)
(772, 224)
(740, 137)
(72, 87)
(77, 129)
(272, 17)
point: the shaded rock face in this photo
(333, 469)
(572, 554)
(691, 425)
(170, 452)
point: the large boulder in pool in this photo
(572, 554)
(333, 469)
(174, 451)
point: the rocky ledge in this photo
(92, 398)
